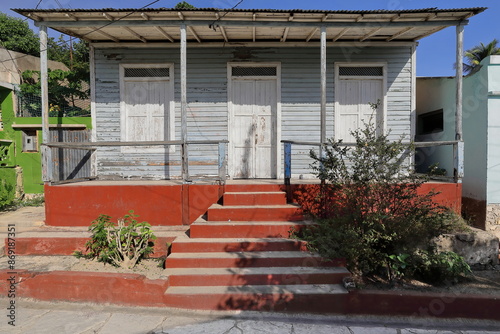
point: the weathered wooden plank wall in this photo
(207, 101)
(70, 163)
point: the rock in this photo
(477, 247)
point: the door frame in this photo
(231, 117)
(171, 105)
(383, 110)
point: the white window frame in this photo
(382, 109)
(230, 77)
(171, 114)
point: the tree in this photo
(184, 5)
(75, 55)
(16, 35)
(478, 53)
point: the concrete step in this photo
(247, 259)
(288, 212)
(254, 198)
(255, 276)
(244, 229)
(270, 187)
(196, 245)
(296, 298)
(67, 240)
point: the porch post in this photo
(46, 151)
(323, 86)
(184, 150)
(458, 149)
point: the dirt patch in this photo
(151, 268)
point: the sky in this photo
(435, 53)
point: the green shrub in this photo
(373, 215)
(438, 268)
(122, 245)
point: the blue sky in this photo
(435, 54)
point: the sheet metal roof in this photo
(150, 25)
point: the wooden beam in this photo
(311, 34)
(430, 32)
(400, 33)
(222, 30)
(44, 83)
(287, 30)
(241, 23)
(102, 45)
(340, 34)
(254, 29)
(164, 33)
(183, 51)
(71, 16)
(135, 34)
(113, 38)
(145, 16)
(191, 30)
(459, 79)
(370, 34)
(108, 17)
(323, 86)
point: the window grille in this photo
(364, 71)
(148, 72)
(253, 71)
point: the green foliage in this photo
(16, 35)
(7, 191)
(373, 215)
(184, 5)
(73, 54)
(65, 87)
(121, 245)
(437, 268)
(476, 54)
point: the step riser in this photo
(260, 279)
(242, 231)
(67, 246)
(254, 199)
(253, 187)
(261, 302)
(172, 262)
(255, 214)
(203, 247)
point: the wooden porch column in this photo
(323, 86)
(184, 150)
(46, 151)
(458, 149)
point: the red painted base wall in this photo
(78, 205)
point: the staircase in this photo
(238, 257)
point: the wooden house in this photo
(193, 94)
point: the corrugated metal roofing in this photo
(476, 10)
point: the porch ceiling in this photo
(205, 25)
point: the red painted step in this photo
(253, 187)
(255, 276)
(234, 229)
(199, 245)
(254, 198)
(254, 213)
(297, 298)
(245, 259)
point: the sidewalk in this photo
(69, 318)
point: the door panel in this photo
(254, 134)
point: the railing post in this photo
(222, 162)
(288, 162)
(458, 157)
(185, 162)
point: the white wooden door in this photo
(353, 106)
(254, 104)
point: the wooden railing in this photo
(48, 164)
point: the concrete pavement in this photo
(69, 318)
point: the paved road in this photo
(61, 318)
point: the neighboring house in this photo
(481, 128)
(20, 132)
(226, 87)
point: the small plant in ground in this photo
(121, 245)
(373, 215)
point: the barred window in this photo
(241, 71)
(364, 71)
(147, 72)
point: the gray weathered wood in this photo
(46, 165)
(323, 86)
(459, 79)
(185, 154)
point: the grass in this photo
(36, 200)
